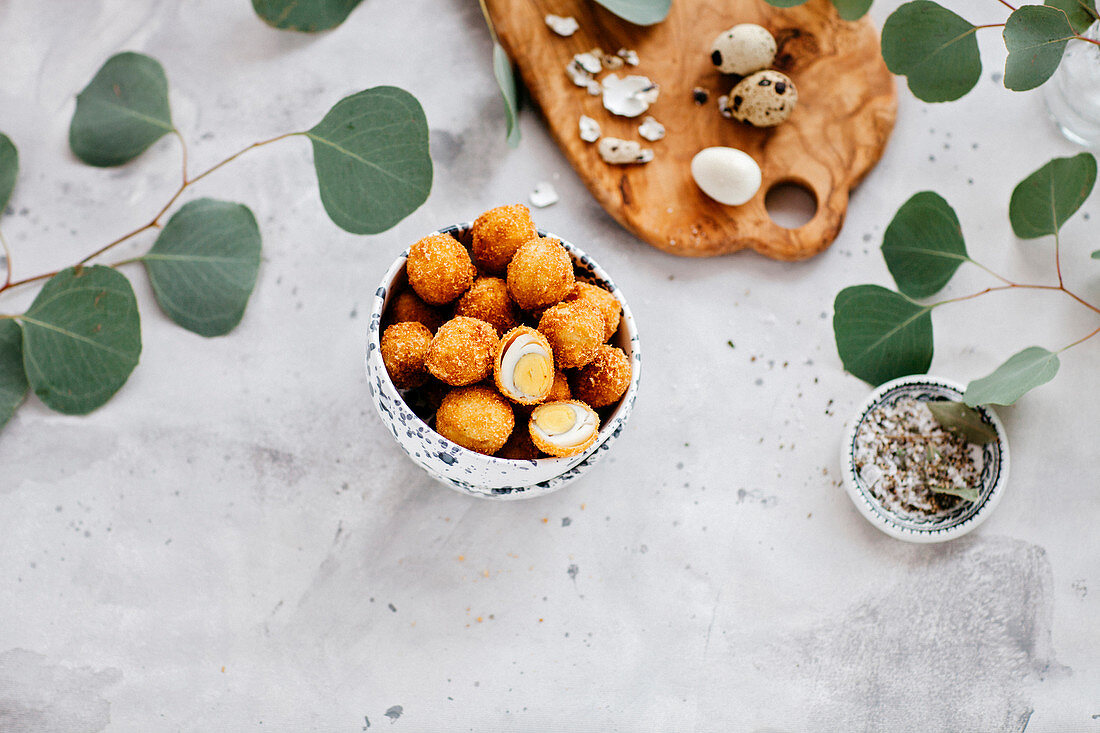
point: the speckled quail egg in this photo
(564, 428)
(764, 99)
(524, 370)
(743, 49)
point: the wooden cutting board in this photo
(847, 104)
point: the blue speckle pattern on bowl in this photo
(965, 515)
(470, 472)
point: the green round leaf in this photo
(122, 111)
(1022, 373)
(923, 246)
(639, 12)
(852, 9)
(785, 3)
(1035, 36)
(1081, 13)
(13, 378)
(880, 334)
(204, 264)
(81, 338)
(304, 15)
(502, 69)
(1046, 199)
(935, 48)
(371, 156)
(1096, 255)
(9, 169)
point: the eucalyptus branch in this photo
(1080, 340)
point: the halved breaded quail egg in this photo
(563, 428)
(524, 369)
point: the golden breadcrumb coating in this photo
(603, 380)
(552, 448)
(407, 306)
(540, 274)
(498, 233)
(533, 375)
(476, 418)
(404, 350)
(519, 447)
(560, 392)
(605, 301)
(488, 300)
(439, 268)
(575, 330)
(462, 351)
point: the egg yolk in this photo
(533, 374)
(555, 419)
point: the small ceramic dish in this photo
(944, 526)
(473, 473)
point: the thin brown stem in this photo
(1021, 286)
(488, 21)
(183, 157)
(1093, 41)
(1058, 259)
(1080, 340)
(155, 222)
(1005, 280)
(1010, 7)
(990, 25)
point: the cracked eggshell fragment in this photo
(765, 99)
(627, 55)
(629, 96)
(743, 49)
(589, 129)
(651, 129)
(724, 107)
(544, 195)
(623, 152)
(728, 175)
(563, 26)
(589, 61)
(578, 75)
(611, 62)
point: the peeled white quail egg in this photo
(764, 99)
(743, 49)
(525, 366)
(564, 428)
(728, 175)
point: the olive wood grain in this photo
(846, 111)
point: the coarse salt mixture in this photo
(902, 454)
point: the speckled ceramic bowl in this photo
(473, 473)
(920, 527)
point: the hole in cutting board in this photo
(790, 205)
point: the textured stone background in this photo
(235, 543)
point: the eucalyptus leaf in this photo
(1022, 373)
(923, 246)
(880, 334)
(966, 493)
(122, 111)
(9, 169)
(204, 264)
(502, 69)
(935, 48)
(1096, 255)
(81, 338)
(962, 420)
(852, 9)
(371, 156)
(1043, 201)
(1036, 36)
(1081, 13)
(785, 3)
(308, 16)
(13, 378)
(639, 12)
